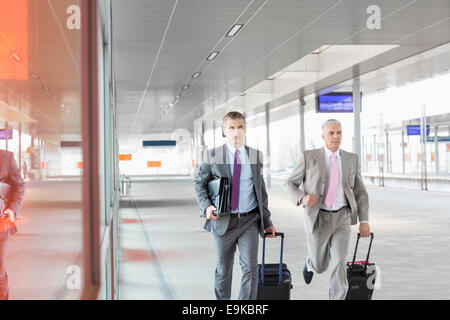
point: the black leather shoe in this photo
(307, 275)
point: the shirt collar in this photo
(328, 152)
(232, 149)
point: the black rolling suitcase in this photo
(361, 276)
(275, 282)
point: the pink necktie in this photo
(333, 185)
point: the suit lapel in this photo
(345, 167)
(253, 159)
(320, 156)
(226, 162)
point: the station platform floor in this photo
(48, 243)
(166, 254)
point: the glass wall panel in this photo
(40, 97)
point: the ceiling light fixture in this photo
(34, 76)
(185, 87)
(16, 56)
(46, 88)
(196, 75)
(321, 49)
(212, 55)
(234, 30)
(274, 76)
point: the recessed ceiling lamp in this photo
(16, 56)
(46, 88)
(321, 49)
(185, 87)
(234, 30)
(274, 76)
(196, 75)
(212, 55)
(34, 76)
(178, 96)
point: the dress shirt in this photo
(247, 197)
(340, 200)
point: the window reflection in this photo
(40, 150)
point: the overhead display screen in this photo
(335, 102)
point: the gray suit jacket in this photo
(12, 187)
(311, 177)
(215, 164)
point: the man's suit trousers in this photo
(243, 233)
(329, 241)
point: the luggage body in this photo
(361, 276)
(275, 281)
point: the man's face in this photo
(332, 136)
(235, 131)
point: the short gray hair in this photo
(328, 122)
(233, 115)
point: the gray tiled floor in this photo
(411, 246)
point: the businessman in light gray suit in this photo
(327, 183)
(249, 208)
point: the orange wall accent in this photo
(154, 164)
(13, 39)
(125, 157)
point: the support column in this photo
(423, 143)
(381, 148)
(436, 150)
(403, 152)
(388, 154)
(301, 106)
(214, 133)
(20, 147)
(363, 155)
(6, 134)
(267, 157)
(357, 118)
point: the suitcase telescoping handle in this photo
(280, 267)
(368, 252)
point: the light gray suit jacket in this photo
(311, 177)
(215, 164)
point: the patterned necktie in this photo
(235, 182)
(333, 185)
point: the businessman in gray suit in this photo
(249, 208)
(327, 183)
(12, 190)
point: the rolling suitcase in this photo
(361, 276)
(275, 281)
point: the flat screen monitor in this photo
(3, 134)
(335, 102)
(159, 143)
(414, 130)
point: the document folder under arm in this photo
(219, 193)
